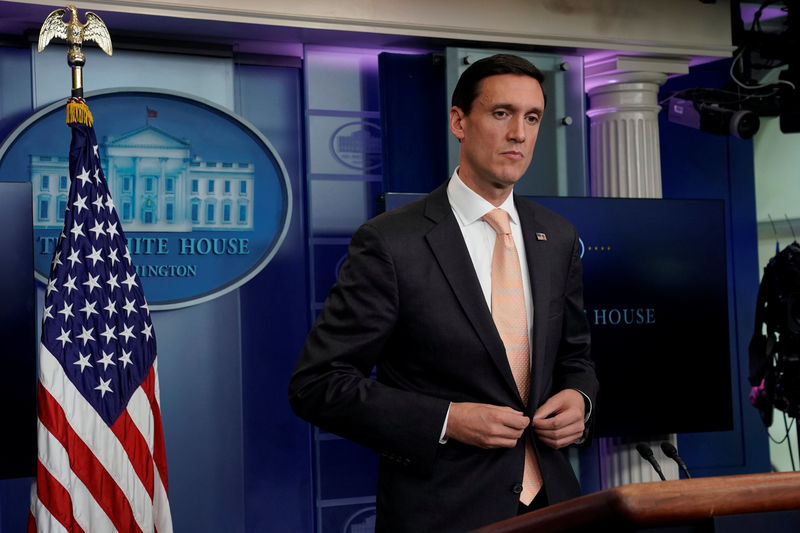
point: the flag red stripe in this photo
(136, 448)
(159, 453)
(56, 499)
(85, 465)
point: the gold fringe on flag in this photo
(78, 111)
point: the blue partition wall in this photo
(344, 178)
(274, 322)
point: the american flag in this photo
(101, 461)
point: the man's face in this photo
(498, 135)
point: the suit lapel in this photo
(539, 273)
(447, 243)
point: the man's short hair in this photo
(468, 85)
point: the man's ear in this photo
(457, 117)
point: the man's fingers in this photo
(561, 441)
(558, 436)
(486, 426)
(557, 444)
(503, 423)
(565, 401)
(547, 409)
(563, 419)
(559, 421)
(509, 417)
(561, 431)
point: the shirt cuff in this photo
(588, 403)
(586, 416)
(442, 437)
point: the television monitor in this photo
(656, 297)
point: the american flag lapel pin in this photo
(541, 237)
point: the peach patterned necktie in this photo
(510, 318)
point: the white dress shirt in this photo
(469, 208)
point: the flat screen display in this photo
(656, 297)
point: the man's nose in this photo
(516, 130)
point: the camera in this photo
(713, 117)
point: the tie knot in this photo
(498, 220)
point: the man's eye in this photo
(500, 114)
(532, 119)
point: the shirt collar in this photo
(470, 207)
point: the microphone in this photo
(672, 452)
(645, 451)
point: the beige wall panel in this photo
(683, 27)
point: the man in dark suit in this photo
(467, 434)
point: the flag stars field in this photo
(95, 277)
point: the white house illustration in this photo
(156, 184)
(50, 186)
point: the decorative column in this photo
(623, 92)
(136, 187)
(161, 193)
(625, 161)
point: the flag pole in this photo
(101, 457)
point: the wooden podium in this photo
(683, 505)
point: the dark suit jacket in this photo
(408, 300)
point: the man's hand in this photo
(485, 426)
(559, 420)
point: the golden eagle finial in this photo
(75, 32)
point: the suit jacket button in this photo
(516, 488)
